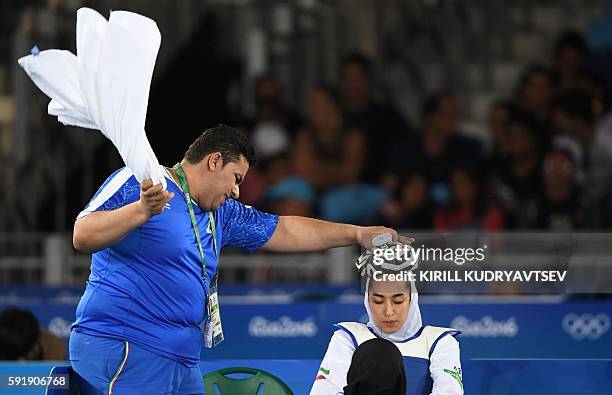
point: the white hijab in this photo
(409, 328)
(106, 85)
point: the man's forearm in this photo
(102, 229)
(301, 234)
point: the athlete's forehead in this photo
(388, 287)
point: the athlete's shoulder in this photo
(441, 339)
(437, 331)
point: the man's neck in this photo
(187, 169)
(173, 174)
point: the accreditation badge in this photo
(213, 331)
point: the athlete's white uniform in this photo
(431, 355)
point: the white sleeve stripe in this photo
(109, 190)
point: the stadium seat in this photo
(217, 382)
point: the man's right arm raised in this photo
(101, 229)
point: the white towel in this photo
(106, 85)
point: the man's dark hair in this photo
(359, 59)
(571, 39)
(230, 142)
(19, 332)
(577, 104)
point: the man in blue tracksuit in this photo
(150, 301)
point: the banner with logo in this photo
(556, 330)
(301, 330)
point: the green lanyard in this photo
(183, 181)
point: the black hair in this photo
(359, 59)
(376, 368)
(19, 332)
(230, 142)
(571, 39)
(576, 103)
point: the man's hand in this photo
(152, 198)
(365, 234)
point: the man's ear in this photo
(215, 160)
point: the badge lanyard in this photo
(213, 332)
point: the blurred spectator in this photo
(574, 116)
(413, 208)
(569, 57)
(272, 145)
(498, 120)
(380, 122)
(272, 183)
(534, 94)
(270, 106)
(517, 178)
(437, 150)
(327, 153)
(331, 157)
(291, 196)
(21, 339)
(599, 91)
(469, 207)
(559, 208)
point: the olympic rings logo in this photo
(586, 326)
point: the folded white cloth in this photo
(106, 85)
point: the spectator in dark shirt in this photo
(380, 122)
(575, 118)
(498, 120)
(517, 179)
(570, 55)
(328, 154)
(437, 150)
(534, 95)
(559, 208)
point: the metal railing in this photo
(50, 259)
